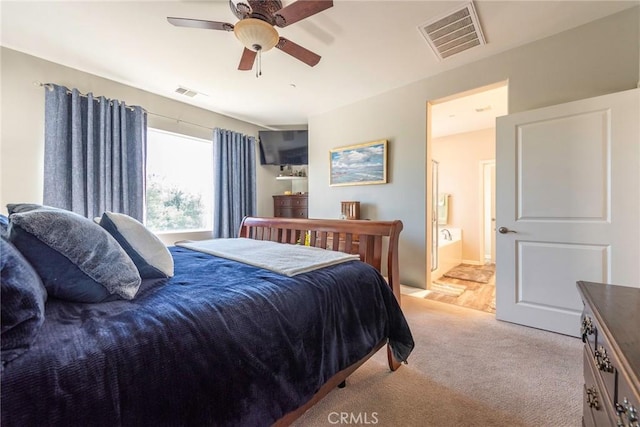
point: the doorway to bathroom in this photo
(461, 153)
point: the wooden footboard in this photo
(370, 239)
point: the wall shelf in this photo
(298, 183)
(290, 178)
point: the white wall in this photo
(576, 64)
(459, 156)
(22, 133)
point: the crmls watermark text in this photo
(353, 418)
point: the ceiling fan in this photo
(256, 27)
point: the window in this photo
(179, 182)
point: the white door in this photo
(568, 207)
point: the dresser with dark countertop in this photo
(611, 335)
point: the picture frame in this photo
(360, 164)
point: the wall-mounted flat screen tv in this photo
(284, 147)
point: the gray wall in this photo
(22, 134)
(576, 64)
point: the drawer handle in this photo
(602, 360)
(587, 328)
(626, 414)
(592, 398)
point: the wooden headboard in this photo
(352, 236)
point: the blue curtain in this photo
(94, 154)
(234, 169)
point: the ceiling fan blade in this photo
(299, 10)
(246, 62)
(298, 52)
(198, 23)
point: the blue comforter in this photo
(220, 343)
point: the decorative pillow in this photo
(23, 298)
(148, 253)
(76, 259)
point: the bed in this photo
(219, 343)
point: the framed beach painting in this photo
(359, 164)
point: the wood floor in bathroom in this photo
(479, 296)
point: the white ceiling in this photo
(469, 112)
(367, 48)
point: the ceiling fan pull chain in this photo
(259, 64)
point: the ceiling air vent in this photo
(454, 33)
(186, 92)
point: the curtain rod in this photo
(49, 86)
(180, 120)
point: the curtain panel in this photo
(234, 168)
(95, 154)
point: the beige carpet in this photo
(468, 369)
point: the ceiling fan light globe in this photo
(254, 32)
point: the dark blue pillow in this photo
(75, 258)
(23, 298)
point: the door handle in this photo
(505, 230)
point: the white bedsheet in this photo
(284, 259)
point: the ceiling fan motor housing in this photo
(264, 10)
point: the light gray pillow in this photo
(149, 254)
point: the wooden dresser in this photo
(291, 206)
(611, 335)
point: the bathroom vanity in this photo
(611, 334)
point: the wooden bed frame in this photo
(351, 236)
